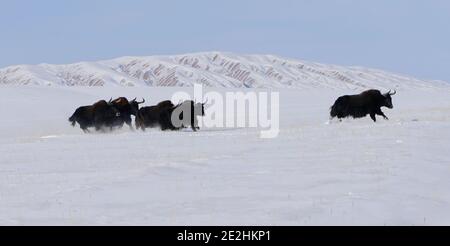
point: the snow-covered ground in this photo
(355, 172)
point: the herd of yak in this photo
(104, 115)
(116, 113)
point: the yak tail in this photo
(333, 111)
(73, 119)
(339, 107)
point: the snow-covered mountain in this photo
(214, 69)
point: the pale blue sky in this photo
(405, 36)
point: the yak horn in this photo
(390, 93)
(143, 101)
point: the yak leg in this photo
(98, 127)
(136, 123)
(194, 128)
(141, 126)
(194, 124)
(372, 115)
(85, 129)
(128, 122)
(338, 119)
(139, 123)
(379, 112)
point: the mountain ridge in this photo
(213, 69)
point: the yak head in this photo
(135, 106)
(388, 99)
(200, 107)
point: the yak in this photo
(126, 109)
(167, 116)
(186, 114)
(99, 115)
(359, 106)
(154, 116)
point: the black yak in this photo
(155, 116)
(359, 106)
(126, 109)
(167, 116)
(99, 115)
(185, 114)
